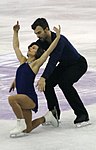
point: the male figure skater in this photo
(65, 67)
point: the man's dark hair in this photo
(40, 22)
(40, 50)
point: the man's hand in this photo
(16, 27)
(41, 84)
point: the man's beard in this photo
(42, 39)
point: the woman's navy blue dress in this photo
(25, 83)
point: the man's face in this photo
(41, 33)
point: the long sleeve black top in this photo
(63, 53)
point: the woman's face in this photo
(32, 50)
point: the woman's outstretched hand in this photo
(16, 27)
(57, 30)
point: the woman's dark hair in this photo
(40, 50)
(40, 22)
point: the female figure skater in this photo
(25, 101)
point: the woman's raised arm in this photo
(18, 52)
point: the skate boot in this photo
(20, 127)
(82, 121)
(49, 117)
(55, 114)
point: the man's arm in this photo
(55, 57)
(19, 55)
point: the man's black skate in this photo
(81, 121)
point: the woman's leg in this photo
(22, 105)
(19, 102)
(28, 119)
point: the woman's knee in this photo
(11, 100)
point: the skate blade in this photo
(51, 124)
(22, 134)
(83, 124)
(46, 124)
